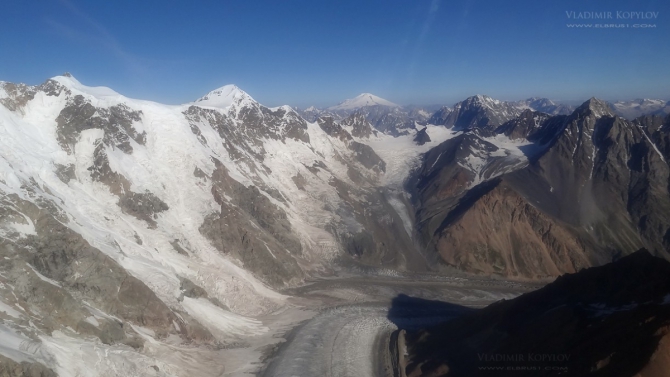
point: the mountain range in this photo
(123, 221)
(394, 119)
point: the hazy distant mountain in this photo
(484, 112)
(546, 106)
(476, 112)
(384, 115)
(638, 107)
(362, 100)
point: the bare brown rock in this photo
(502, 233)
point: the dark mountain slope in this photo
(612, 320)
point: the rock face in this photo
(18, 95)
(359, 125)
(580, 197)
(235, 229)
(526, 126)
(62, 282)
(513, 237)
(612, 320)
(116, 122)
(486, 113)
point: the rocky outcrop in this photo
(422, 137)
(65, 173)
(525, 126)
(252, 229)
(360, 126)
(60, 277)
(364, 154)
(17, 95)
(65, 257)
(658, 130)
(143, 206)
(115, 121)
(333, 129)
(599, 168)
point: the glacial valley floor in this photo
(347, 323)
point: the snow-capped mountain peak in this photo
(223, 97)
(68, 81)
(485, 100)
(363, 100)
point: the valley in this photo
(355, 317)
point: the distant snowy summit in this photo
(384, 115)
(362, 100)
(224, 97)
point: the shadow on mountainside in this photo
(612, 320)
(412, 313)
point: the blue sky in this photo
(322, 52)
